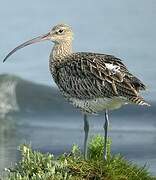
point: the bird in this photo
(91, 82)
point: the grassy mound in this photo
(37, 166)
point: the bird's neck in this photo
(60, 51)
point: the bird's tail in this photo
(139, 101)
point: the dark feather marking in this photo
(88, 77)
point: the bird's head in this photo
(59, 34)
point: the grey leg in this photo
(106, 134)
(86, 130)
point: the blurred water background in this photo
(31, 108)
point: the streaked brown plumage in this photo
(92, 82)
(85, 76)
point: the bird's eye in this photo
(60, 31)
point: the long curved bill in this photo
(32, 41)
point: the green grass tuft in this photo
(37, 166)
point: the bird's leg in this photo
(106, 124)
(86, 130)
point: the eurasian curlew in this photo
(92, 82)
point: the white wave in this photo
(8, 101)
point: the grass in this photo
(37, 166)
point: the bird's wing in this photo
(90, 75)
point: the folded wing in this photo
(91, 75)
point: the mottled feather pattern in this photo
(85, 75)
